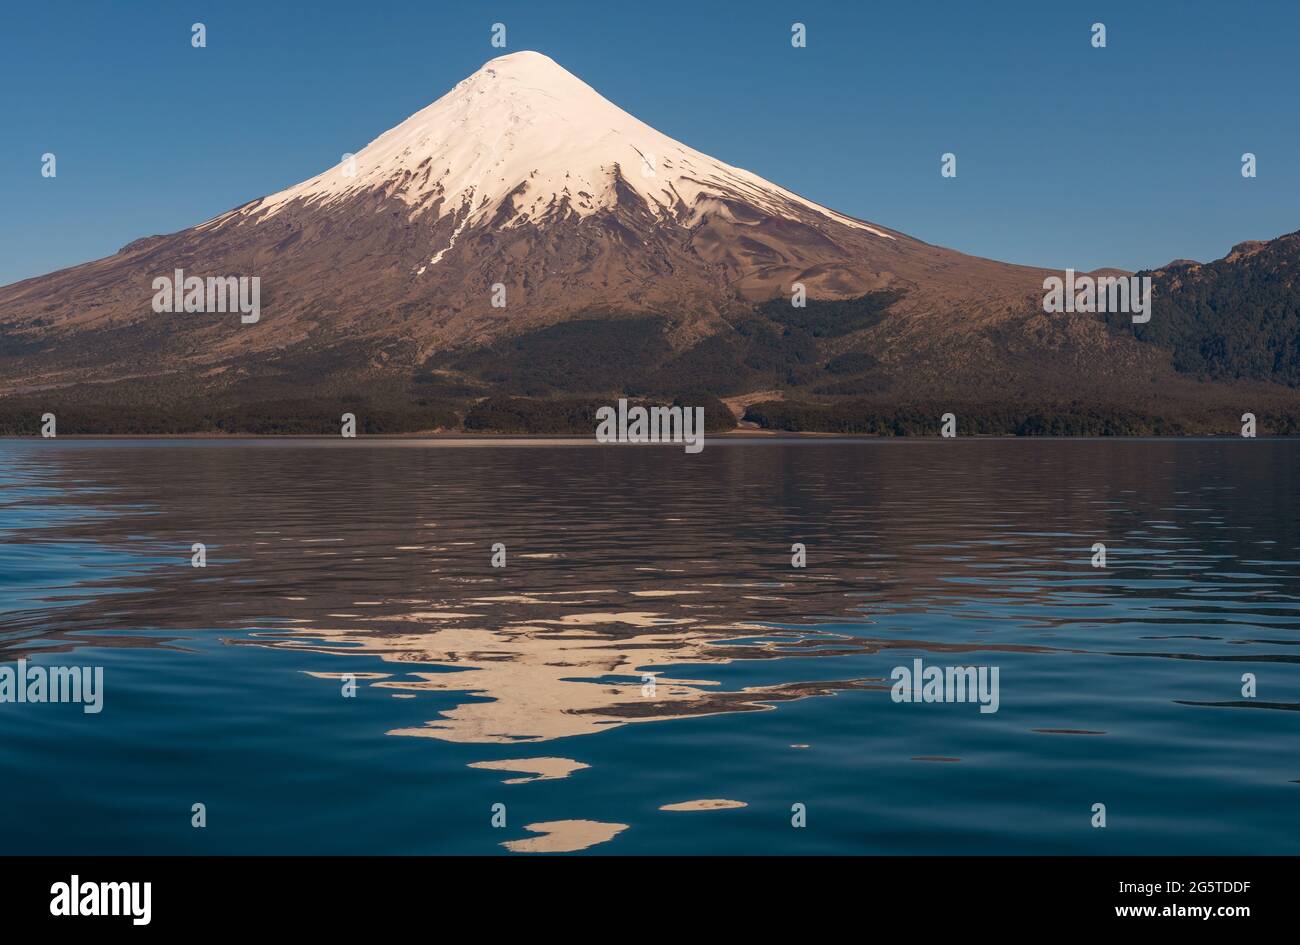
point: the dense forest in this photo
(322, 417)
(857, 417)
(1235, 318)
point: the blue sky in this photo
(1066, 155)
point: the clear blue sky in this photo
(1066, 155)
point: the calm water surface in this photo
(526, 686)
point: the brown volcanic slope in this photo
(383, 270)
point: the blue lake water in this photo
(528, 685)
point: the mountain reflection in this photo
(542, 682)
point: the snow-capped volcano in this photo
(523, 140)
(519, 200)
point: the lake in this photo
(649, 672)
